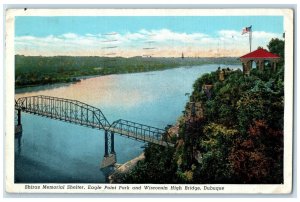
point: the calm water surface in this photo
(51, 151)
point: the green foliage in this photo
(240, 138)
(158, 167)
(215, 167)
(277, 46)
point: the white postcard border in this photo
(157, 188)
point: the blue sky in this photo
(190, 34)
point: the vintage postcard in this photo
(190, 101)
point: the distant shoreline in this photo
(30, 88)
(33, 71)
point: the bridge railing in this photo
(77, 112)
(63, 109)
(137, 130)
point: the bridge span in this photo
(80, 113)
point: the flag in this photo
(247, 29)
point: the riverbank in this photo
(123, 169)
(173, 133)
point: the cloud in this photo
(160, 43)
(70, 36)
(90, 35)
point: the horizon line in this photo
(180, 57)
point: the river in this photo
(51, 151)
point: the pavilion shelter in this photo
(259, 56)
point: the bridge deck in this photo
(141, 137)
(140, 134)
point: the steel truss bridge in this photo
(80, 113)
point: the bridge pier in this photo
(79, 113)
(109, 158)
(19, 117)
(18, 127)
(112, 144)
(105, 143)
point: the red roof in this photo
(260, 53)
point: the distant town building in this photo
(259, 56)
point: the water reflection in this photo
(18, 137)
(107, 171)
(104, 91)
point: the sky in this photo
(156, 36)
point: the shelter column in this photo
(248, 67)
(261, 65)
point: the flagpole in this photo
(250, 37)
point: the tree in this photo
(215, 146)
(258, 158)
(277, 46)
(158, 167)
